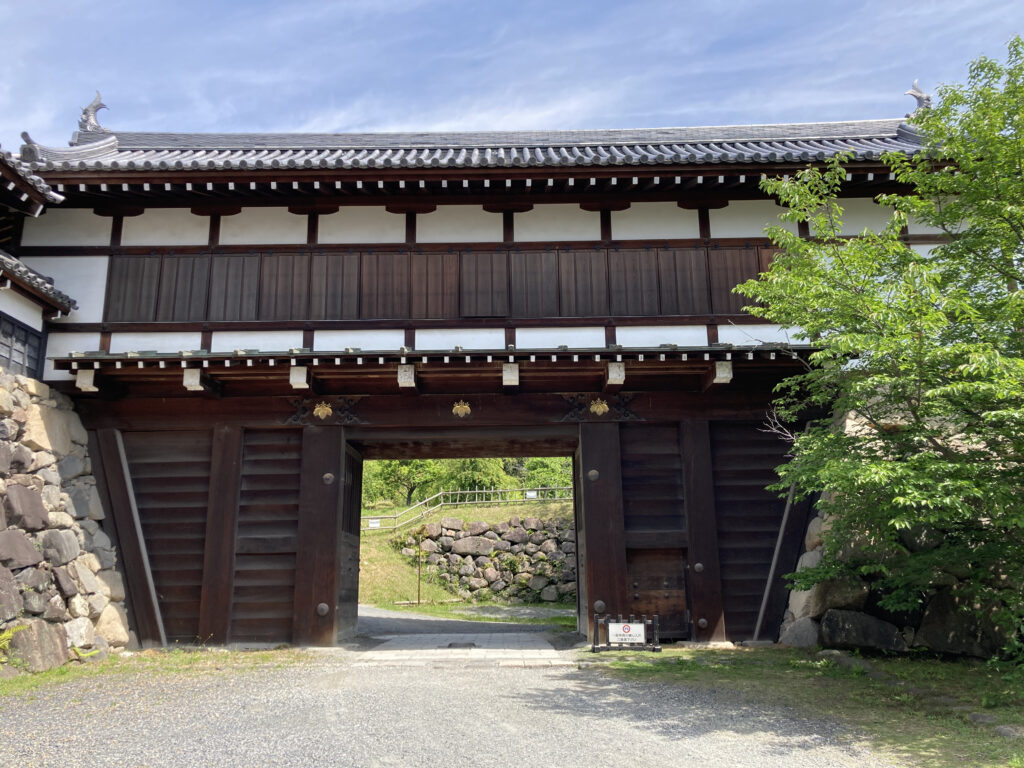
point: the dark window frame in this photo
(24, 341)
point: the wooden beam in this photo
(702, 532)
(600, 536)
(108, 451)
(317, 578)
(221, 531)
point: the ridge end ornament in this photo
(924, 100)
(461, 409)
(88, 121)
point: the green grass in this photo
(557, 623)
(386, 577)
(164, 661)
(918, 727)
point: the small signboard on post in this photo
(373, 522)
(630, 635)
(627, 633)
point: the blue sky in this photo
(380, 65)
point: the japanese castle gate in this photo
(258, 314)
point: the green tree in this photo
(406, 479)
(920, 353)
(548, 472)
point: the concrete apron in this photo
(410, 640)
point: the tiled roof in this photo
(708, 145)
(15, 270)
(28, 178)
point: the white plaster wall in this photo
(377, 340)
(156, 342)
(362, 224)
(265, 341)
(643, 221)
(747, 218)
(166, 226)
(915, 227)
(591, 337)
(557, 222)
(467, 338)
(860, 213)
(757, 334)
(655, 335)
(22, 309)
(924, 250)
(263, 225)
(60, 345)
(459, 224)
(70, 226)
(83, 278)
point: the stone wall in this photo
(58, 569)
(847, 615)
(524, 560)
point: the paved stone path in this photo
(403, 639)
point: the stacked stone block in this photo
(58, 568)
(524, 560)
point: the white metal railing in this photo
(476, 497)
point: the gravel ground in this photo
(326, 712)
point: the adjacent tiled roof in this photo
(747, 144)
(28, 178)
(18, 272)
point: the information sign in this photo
(627, 633)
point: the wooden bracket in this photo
(407, 378)
(298, 377)
(510, 378)
(615, 377)
(85, 379)
(196, 380)
(723, 372)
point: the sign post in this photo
(629, 635)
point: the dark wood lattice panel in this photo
(170, 474)
(748, 515)
(266, 542)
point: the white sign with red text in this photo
(626, 633)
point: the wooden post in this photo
(602, 542)
(315, 616)
(113, 475)
(221, 532)
(702, 532)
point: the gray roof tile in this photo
(19, 272)
(797, 142)
(28, 177)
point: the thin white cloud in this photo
(361, 65)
